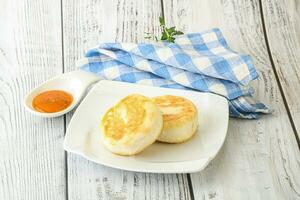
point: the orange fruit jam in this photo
(52, 101)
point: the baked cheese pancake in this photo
(180, 118)
(131, 125)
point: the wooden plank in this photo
(283, 32)
(260, 158)
(32, 161)
(86, 24)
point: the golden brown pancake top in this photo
(126, 118)
(175, 107)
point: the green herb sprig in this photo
(167, 34)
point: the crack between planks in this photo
(276, 74)
(162, 9)
(190, 184)
(66, 164)
(64, 120)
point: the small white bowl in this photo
(75, 83)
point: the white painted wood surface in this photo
(260, 159)
(32, 161)
(282, 22)
(86, 24)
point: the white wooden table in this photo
(41, 39)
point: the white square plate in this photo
(83, 132)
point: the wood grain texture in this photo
(32, 162)
(282, 18)
(86, 24)
(260, 158)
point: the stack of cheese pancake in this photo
(138, 121)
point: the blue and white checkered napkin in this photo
(199, 61)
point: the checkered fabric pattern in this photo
(199, 61)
